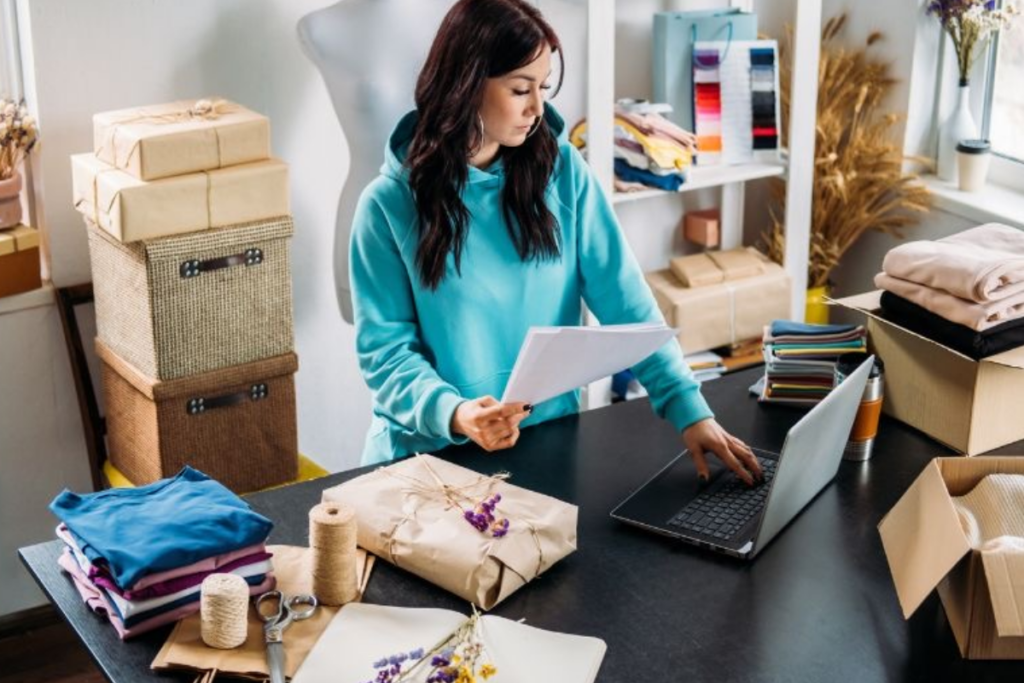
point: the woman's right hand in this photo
(491, 425)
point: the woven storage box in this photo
(235, 424)
(183, 305)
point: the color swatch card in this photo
(736, 101)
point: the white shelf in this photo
(709, 176)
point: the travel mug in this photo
(972, 163)
(865, 426)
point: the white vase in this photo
(959, 126)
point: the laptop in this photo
(727, 516)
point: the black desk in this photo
(817, 605)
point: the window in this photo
(1003, 113)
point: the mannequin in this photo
(369, 53)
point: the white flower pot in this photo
(10, 201)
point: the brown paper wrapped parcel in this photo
(405, 518)
(131, 209)
(726, 313)
(181, 137)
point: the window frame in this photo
(1005, 170)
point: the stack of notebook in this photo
(800, 359)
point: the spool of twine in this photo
(332, 540)
(224, 610)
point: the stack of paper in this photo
(705, 365)
(800, 359)
(554, 360)
(361, 634)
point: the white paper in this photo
(554, 360)
(361, 634)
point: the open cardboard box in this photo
(926, 548)
(972, 406)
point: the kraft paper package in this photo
(411, 514)
(177, 138)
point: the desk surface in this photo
(817, 605)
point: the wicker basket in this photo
(183, 305)
(235, 424)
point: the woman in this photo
(484, 222)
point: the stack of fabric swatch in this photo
(800, 359)
(650, 151)
(965, 291)
(139, 555)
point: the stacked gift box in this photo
(19, 260)
(720, 298)
(189, 238)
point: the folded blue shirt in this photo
(168, 524)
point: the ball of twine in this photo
(224, 610)
(332, 540)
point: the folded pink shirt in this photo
(978, 317)
(97, 601)
(984, 264)
(143, 587)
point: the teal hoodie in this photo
(424, 352)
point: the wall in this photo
(41, 445)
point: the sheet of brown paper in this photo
(422, 533)
(185, 649)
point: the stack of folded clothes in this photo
(965, 291)
(800, 359)
(650, 151)
(139, 555)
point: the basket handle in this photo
(195, 267)
(200, 404)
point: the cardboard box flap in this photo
(1004, 571)
(1014, 358)
(922, 538)
(869, 304)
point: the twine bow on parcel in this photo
(455, 497)
(203, 109)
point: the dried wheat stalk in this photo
(859, 183)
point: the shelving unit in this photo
(799, 169)
(731, 180)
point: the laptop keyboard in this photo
(720, 513)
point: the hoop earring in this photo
(536, 126)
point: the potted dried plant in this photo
(859, 181)
(18, 135)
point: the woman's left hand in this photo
(708, 435)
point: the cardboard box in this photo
(702, 227)
(926, 548)
(131, 209)
(19, 260)
(726, 313)
(969, 405)
(178, 138)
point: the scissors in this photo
(288, 609)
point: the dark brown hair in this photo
(478, 39)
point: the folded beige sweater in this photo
(982, 264)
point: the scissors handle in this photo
(302, 606)
(278, 613)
